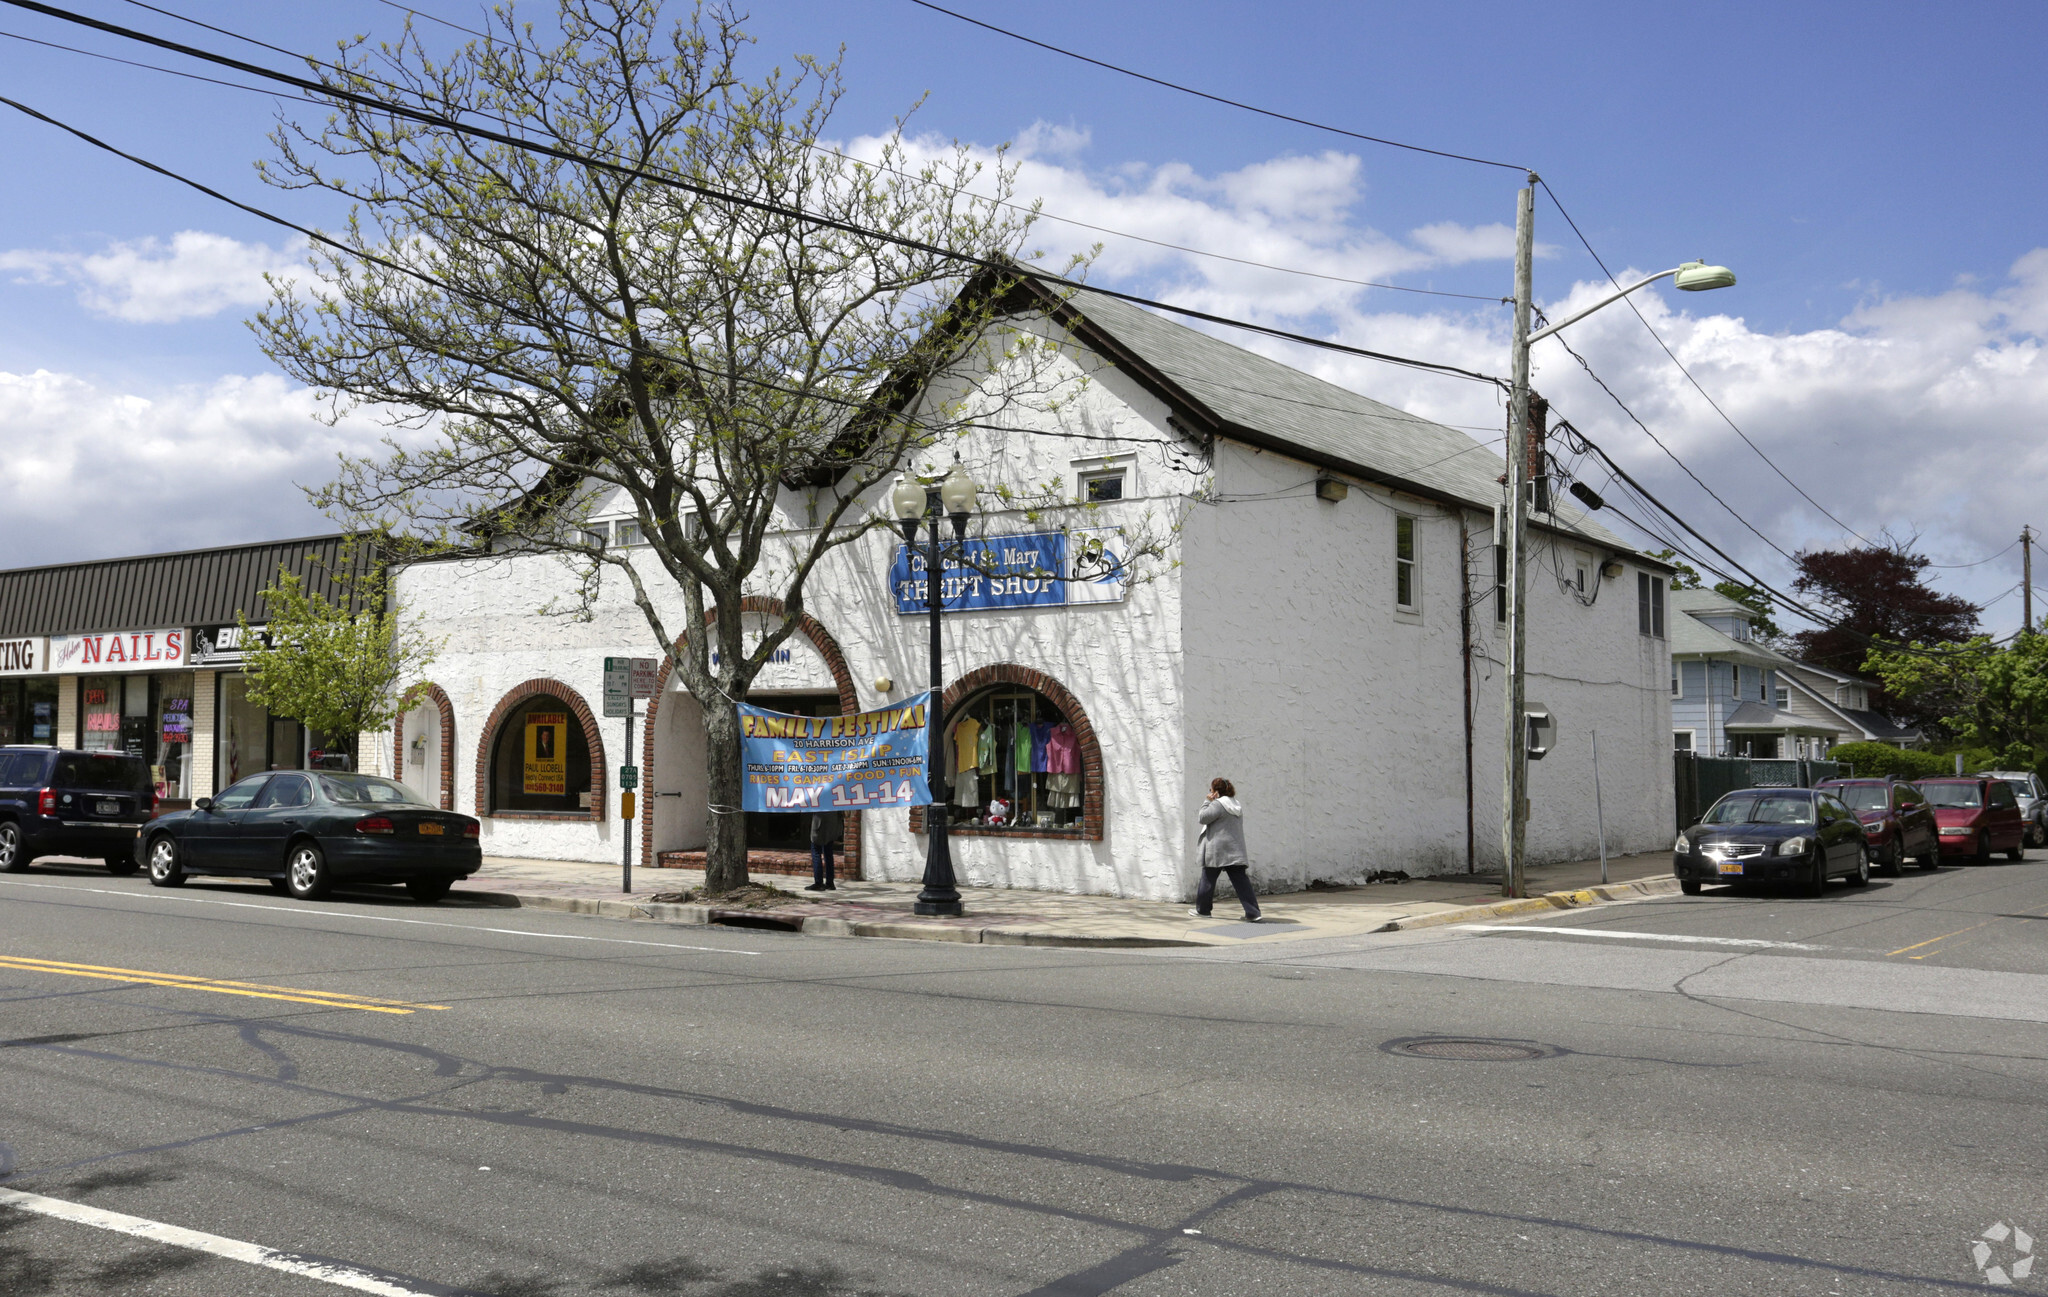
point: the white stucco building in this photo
(1324, 629)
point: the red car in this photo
(1977, 817)
(1897, 824)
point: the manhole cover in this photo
(1469, 1051)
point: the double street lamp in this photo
(1691, 277)
(956, 495)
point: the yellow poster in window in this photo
(547, 744)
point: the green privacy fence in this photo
(1697, 782)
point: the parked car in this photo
(1897, 822)
(2032, 797)
(57, 802)
(305, 831)
(1799, 836)
(1978, 815)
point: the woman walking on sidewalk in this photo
(827, 831)
(1222, 850)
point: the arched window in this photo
(1014, 762)
(541, 759)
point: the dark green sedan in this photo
(305, 831)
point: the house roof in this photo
(201, 587)
(1253, 398)
(1763, 716)
(1881, 727)
(1691, 637)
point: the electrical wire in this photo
(1980, 562)
(812, 145)
(1213, 98)
(640, 173)
(1673, 356)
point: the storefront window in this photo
(1014, 762)
(28, 711)
(541, 761)
(171, 729)
(250, 740)
(99, 713)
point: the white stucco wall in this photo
(1338, 716)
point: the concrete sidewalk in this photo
(1002, 916)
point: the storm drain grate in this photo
(1469, 1051)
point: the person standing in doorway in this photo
(828, 830)
(1222, 851)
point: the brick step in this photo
(759, 861)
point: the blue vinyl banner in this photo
(866, 761)
(995, 572)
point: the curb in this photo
(1547, 903)
(814, 925)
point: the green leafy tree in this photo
(1981, 694)
(690, 311)
(335, 664)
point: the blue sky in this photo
(1873, 173)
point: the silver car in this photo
(2033, 799)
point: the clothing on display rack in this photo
(1063, 790)
(1023, 747)
(967, 745)
(985, 750)
(967, 788)
(1063, 750)
(1041, 735)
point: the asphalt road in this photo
(415, 1099)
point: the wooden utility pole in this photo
(2027, 580)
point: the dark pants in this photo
(1240, 882)
(821, 863)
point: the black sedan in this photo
(1773, 835)
(305, 831)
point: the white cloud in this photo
(149, 281)
(95, 472)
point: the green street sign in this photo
(629, 777)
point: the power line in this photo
(1035, 212)
(1002, 266)
(1673, 356)
(1213, 98)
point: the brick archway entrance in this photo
(439, 698)
(600, 773)
(849, 701)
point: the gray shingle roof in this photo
(1329, 422)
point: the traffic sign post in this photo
(625, 680)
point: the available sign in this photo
(139, 650)
(547, 750)
(869, 760)
(24, 657)
(1048, 569)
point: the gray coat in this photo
(1222, 843)
(828, 829)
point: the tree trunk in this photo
(725, 852)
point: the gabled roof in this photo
(1226, 390)
(1881, 727)
(1691, 637)
(1763, 716)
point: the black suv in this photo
(59, 803)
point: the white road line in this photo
(1634, 936)
(291, 911)
(333, 1272)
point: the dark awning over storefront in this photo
(195, 588)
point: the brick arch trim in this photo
(439, 698)
(849, 701)
(592, 737)
(1007, 673)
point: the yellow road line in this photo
(256, 990)
(1943, 937)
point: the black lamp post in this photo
(941, 895)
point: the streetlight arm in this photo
(1607, 301)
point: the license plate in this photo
(1730, 866)
(107, 808)
(428, 826)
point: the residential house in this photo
(1728, 696)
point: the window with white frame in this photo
(1681, 740)
(1101, 488)
(1650, 605)
(1407, 579)
(1784, 698)
(1105, 479)
(1582, 571)
(626, 533)
(1677, 688)
(1500, 583)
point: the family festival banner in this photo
(866, 761)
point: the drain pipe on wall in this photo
(1465, 647)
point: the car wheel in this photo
(305, 872)
(1982, 855)
(1930, 860)
(2018, 852)
(1690, 886)
(13, 859)
(1861, 878)
(428, 890)
(2037, 834)
(165, 867)
(1895, 858)
(121, 866)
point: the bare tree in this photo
(742, 368)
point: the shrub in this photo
(1875, 760)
